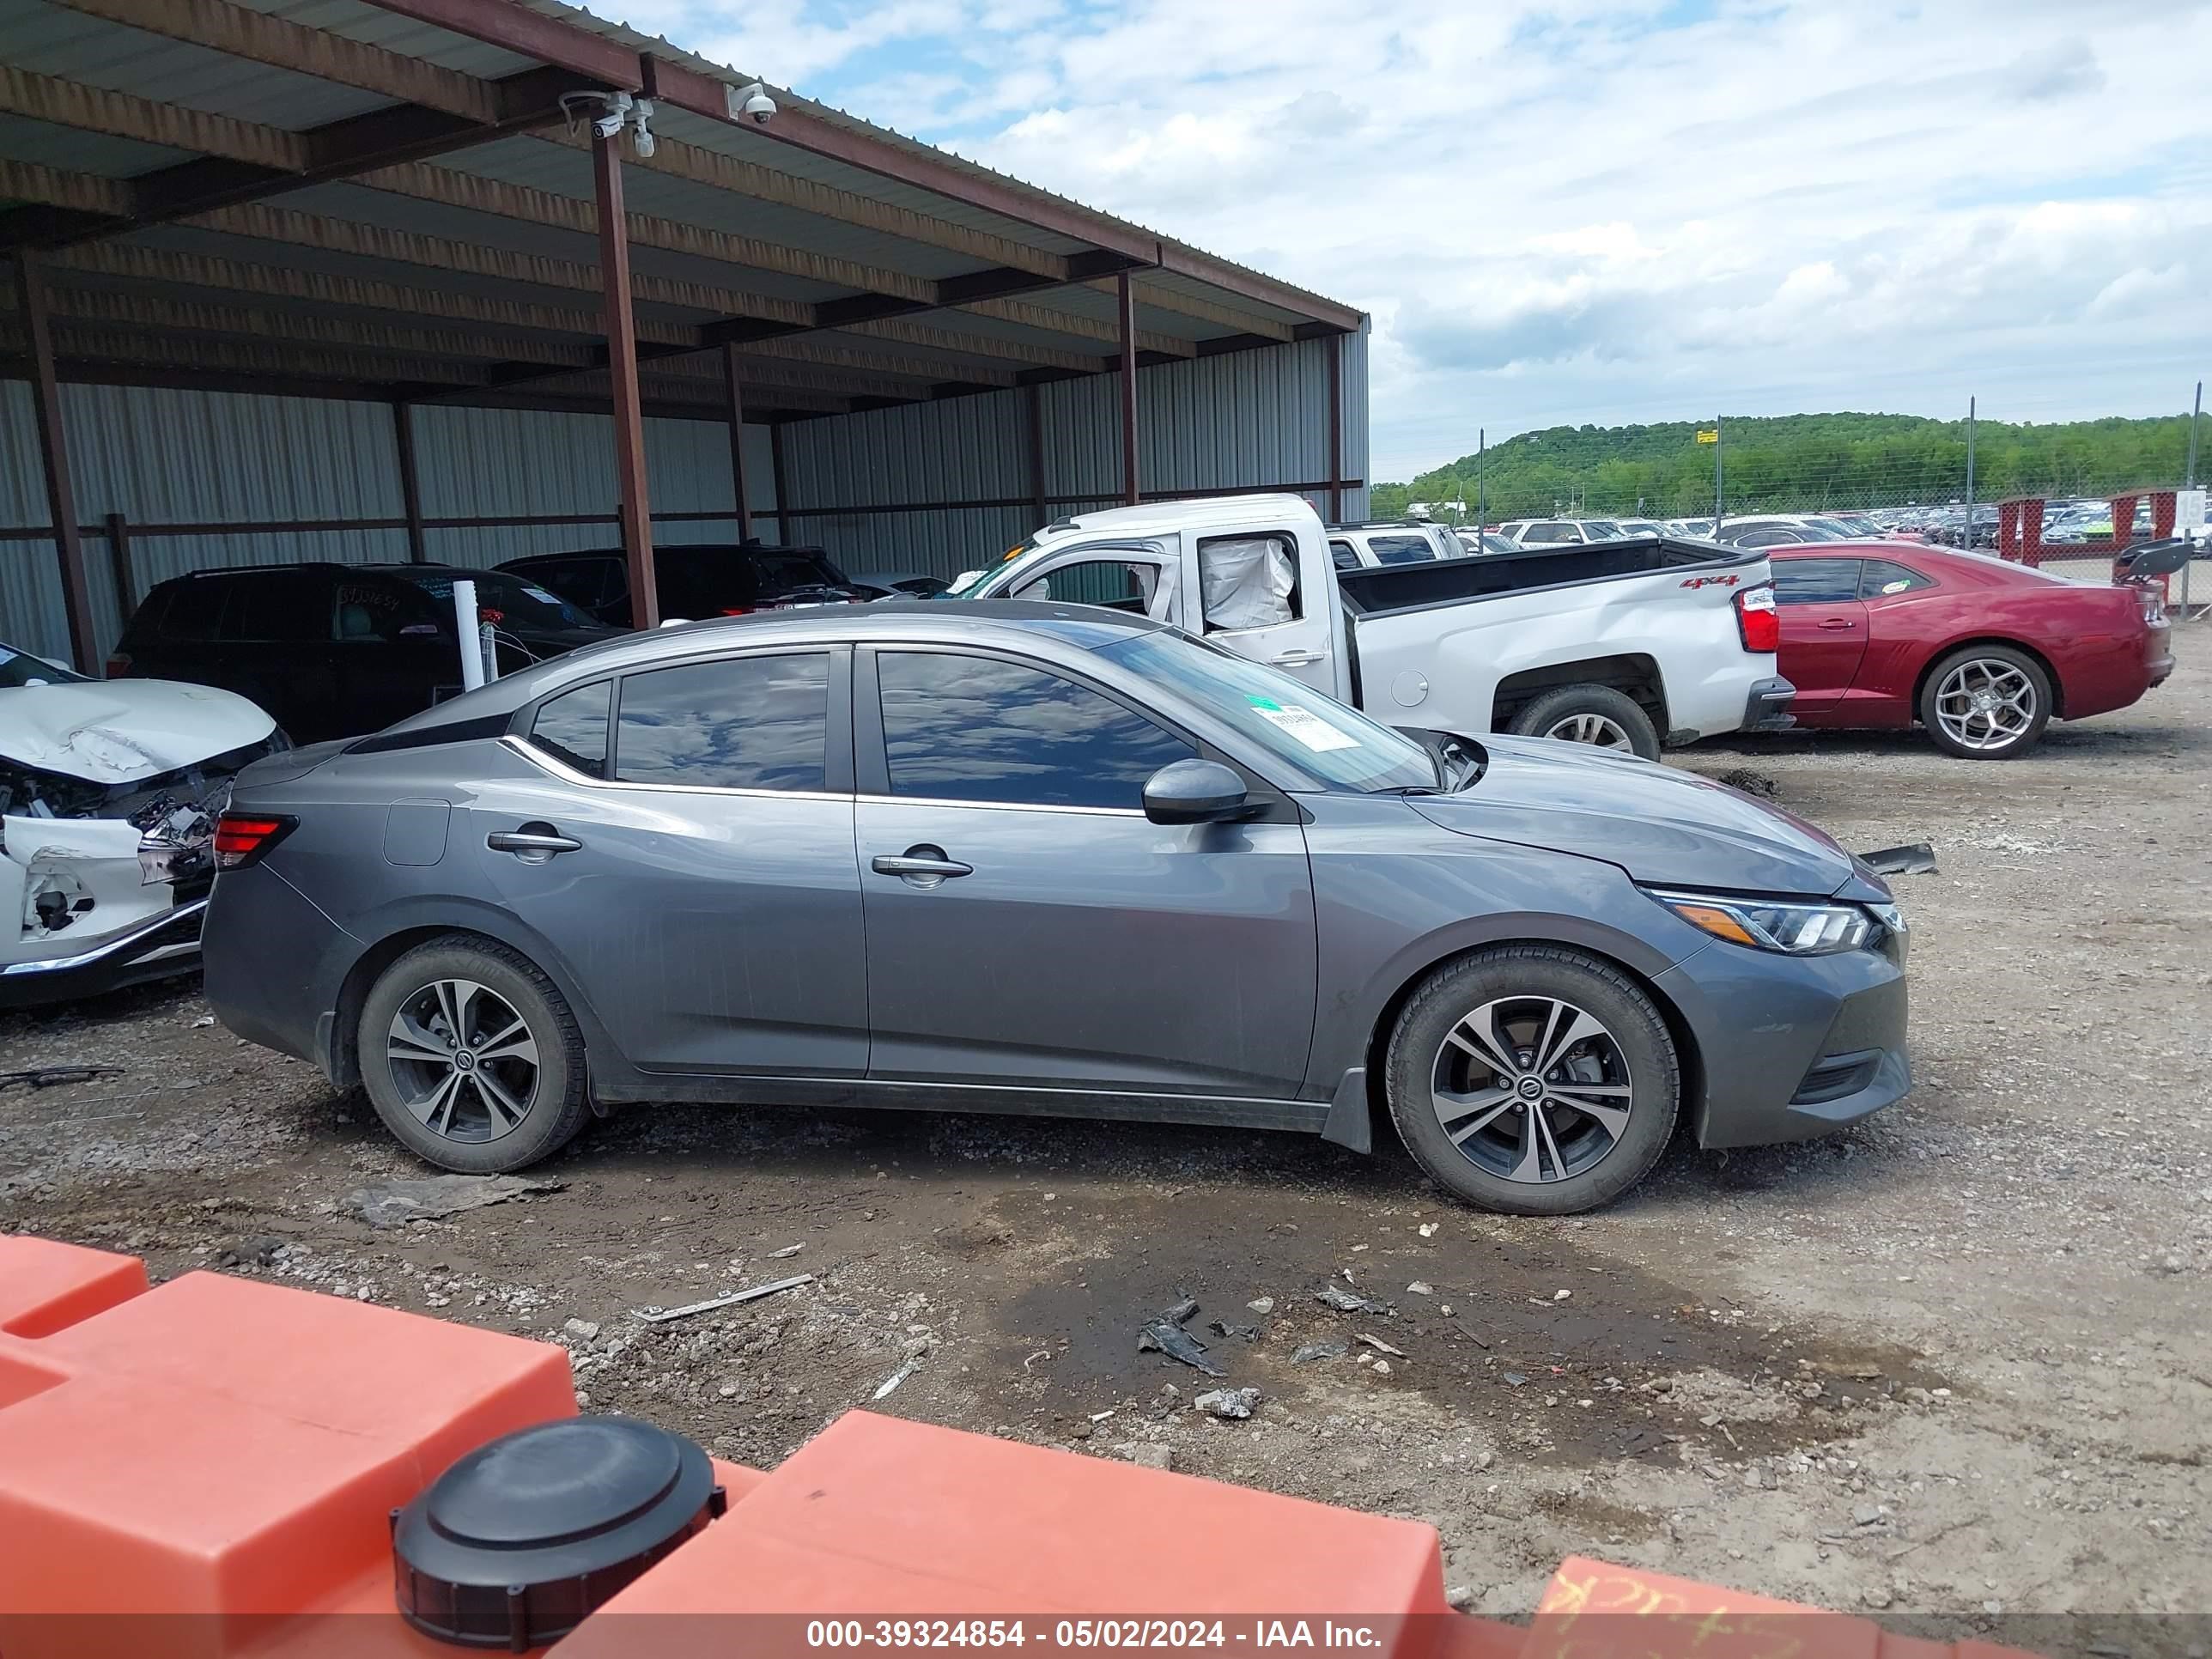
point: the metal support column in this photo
(1033, 409)
(411, 487)
(775, 472)
(734, 398)
(53, 454)
(622, 371)
(1336, 428)
(1127, 312)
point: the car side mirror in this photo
(1194, 792)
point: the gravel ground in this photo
(1953, 1366)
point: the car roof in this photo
(1199, 513)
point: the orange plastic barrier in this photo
(211, 1468)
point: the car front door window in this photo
(959, 727)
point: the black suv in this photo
(333, 650)
(730, 579)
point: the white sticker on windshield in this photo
(1308, 727)
(542, 596)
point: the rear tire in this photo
(1594, 714)
(1986, 702)
(471, 1057)
(1533, 1080)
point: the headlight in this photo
(1793, 926)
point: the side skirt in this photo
(1308, 1116)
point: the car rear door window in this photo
(1400, 549)
(196, 606)
(757, 722)
(1881, 578)
(1815, 581)
(289, 606)
(1343, 555)
(1553, 532)
(572, 728)
(967, 728)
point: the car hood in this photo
(1664, 827)
(120, 730)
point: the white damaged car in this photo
(109, 793)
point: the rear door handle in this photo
(926, 864)
(1298, 658)
(531, 844)
(1838, 624)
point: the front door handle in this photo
(1298, 658)
(924, 866)
(1837, 624)
(535, 845)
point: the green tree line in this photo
(1799, 463)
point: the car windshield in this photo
(515, 599)
(21, 668)
(780, 571)
(1286, 718)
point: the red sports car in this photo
(1981, 652)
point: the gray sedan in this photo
(1044, 859)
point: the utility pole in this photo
(1482, 500)
(2195, 415)
(1718, 495)
(1966, 534)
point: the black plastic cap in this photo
(517, 1543)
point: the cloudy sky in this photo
(1606, 210)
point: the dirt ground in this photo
(1953, 1365)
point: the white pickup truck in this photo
(1628, 645)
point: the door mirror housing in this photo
(1195, 791)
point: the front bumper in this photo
(1767, 707)
(1791, 1047)
(167, 944)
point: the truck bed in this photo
(1487, 576)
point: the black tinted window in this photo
(1400, 550)
(572, 728)
(972, 728)
(1881, 577)
(286, 604)
(705, 581)
(195, 610)
(1815, 581)
(745, 723)
(1341, 555)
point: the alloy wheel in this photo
(1987, 703)
(1532, 1089)
(1598, 730)
(463, 1058)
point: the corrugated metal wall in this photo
(171, 457)
(1236, 421)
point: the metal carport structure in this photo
(346, 278)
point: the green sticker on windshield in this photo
(1263, 702)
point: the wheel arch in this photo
(1687, 1054)
(2041, 658)
(1636, 675)
(344, 1056)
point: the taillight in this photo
(242, 837)
(1757, 623)
(118, 665)
(737, 611)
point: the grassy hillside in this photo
(1801, 462)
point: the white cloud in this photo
(1611, 209)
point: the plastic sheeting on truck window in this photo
(1246, 582)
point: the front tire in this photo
(471, 1057)
(1986, 702)
(1594, 714)
(1533, 1080)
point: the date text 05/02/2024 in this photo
(1090, 1632)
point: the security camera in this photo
(753, 102)
(610, 124)
(641, 112)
